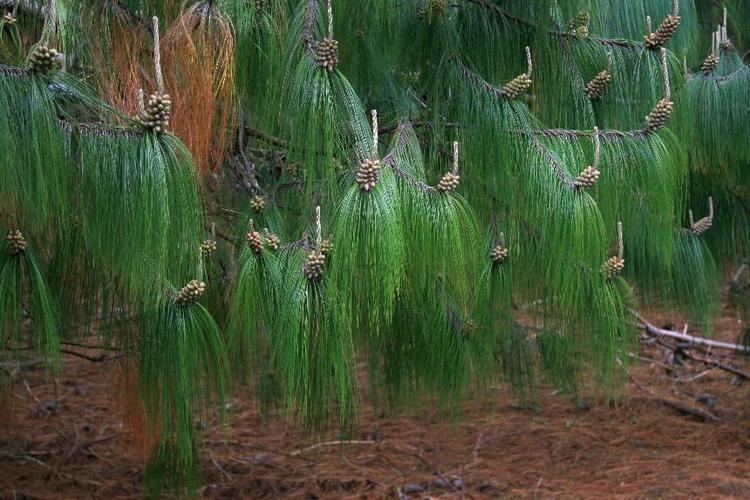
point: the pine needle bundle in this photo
(26, 303)
(140, 206)
(252, 323)
(201, 79)
(313, 350)
(182, 369)
(35, 175)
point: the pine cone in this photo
(596, 87)
(710, 63)
(157, 112)
(367, 175)
(326, 246)
(208, 248)
(190, 293)
(587, 178)
(579, 25)
(314, 265)
(701, 226)
(44, 59)
(499, 253)
(255, 241)
(613, 267)
(663, 34)
(9, 19)
(257, 203)
(272, 240)
(327, 53)
(516, 86)
(659, 115)
(449, 182)
(16, 241)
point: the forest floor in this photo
(681, 432)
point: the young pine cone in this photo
(327, 53)
(449, 182)
(257, 203)
(157, 112)
(272, 240)
(16, 241)
(499, 253)
(613, 267)
(208, 248)
(314, 265)
(659, 115)
(579, 25)
(663, 34)
(9, 19)
(326, 246)
(701, 226)
(596, 87)
(190, 293)
(710, 63)
(44, 59)
(587, 178)
(255, 241)
(516, 86)
(367, 175)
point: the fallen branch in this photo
(329, 443)
(689, 339)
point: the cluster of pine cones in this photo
(516, 86)
(499, 253)
(659, 115)
(208, 248)
(314, 265)
(596, 87)
(156, 114)
(255, 241)
(579, 25)
(367, 175)
(710, 63)
(272, 240)
(327, 53)
(16, 241)
(44, 59)
(257, 203)
(587, 178)
(663, 34)
(702, 225)
(613, 267)
(9, 19)
(326, 246)
(449, 182)
(190, 293)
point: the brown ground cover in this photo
(682, 432)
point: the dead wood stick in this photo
(329, 443)
(690, 339)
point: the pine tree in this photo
(209, 168)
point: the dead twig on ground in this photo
(689, 339)
(331, 443)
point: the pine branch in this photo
(557, 167)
